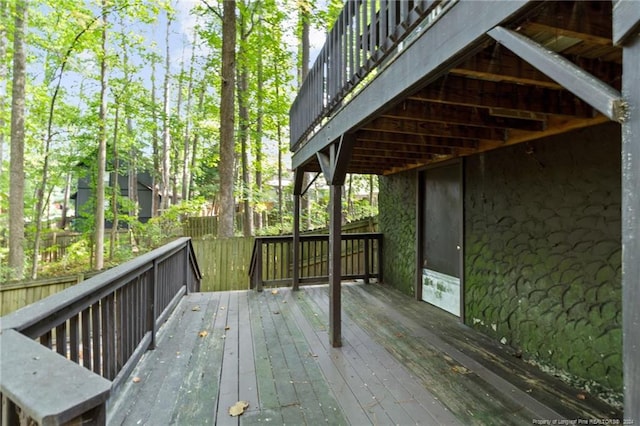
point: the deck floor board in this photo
(402, 362)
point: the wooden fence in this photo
(224, 262)
(201, 226)
(14, 296)
(101, 327)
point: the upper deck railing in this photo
(102, 327)
(365, 34)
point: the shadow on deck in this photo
(402, 362)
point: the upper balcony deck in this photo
(417, 82)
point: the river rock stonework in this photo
(542, 267)
(397, 222)
(543, 251)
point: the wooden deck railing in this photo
(272, 259)
(102, 327)
(365, 34)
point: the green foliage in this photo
(164, 228)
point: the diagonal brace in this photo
(590, 89)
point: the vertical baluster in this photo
(96, 335)
(366, 36)
(404, 11)
(351, 8)
(382, 26)
(373, 31)
(61, 339)
(108, 336)
(46, 339)
(367, 241)
(357, 40)
(392, 20)
(74, 341)
(85, 319)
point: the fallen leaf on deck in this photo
(460, 369)
(238, 408)
(222, 308)
(203, 333)
(195, 308)
(313, 355)
(274, 291)
(136, 379)
(227, 328)
(581, 396)
(276, 313)
(284, 301)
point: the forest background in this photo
(193, 93)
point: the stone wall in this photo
(397, 221)
(543, 251)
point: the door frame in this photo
(420, 227)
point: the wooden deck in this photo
(402, 362)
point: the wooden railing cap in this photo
(48, 387)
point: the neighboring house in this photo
(507, 140)
(144, 184)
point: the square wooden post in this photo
(296, 243)
(626, 32)
(631, 229)
(335, 271)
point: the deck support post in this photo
(334, 167)
(335, 267)
(627, 25)
(297, 193)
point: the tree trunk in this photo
(166, 137)
(305, 202)
(102, 148)
(188, 116)
(16, 179)
(227, 157)
(115, 187)
(243, 116)
(194, 146)
(154, 143)
(258, 140)
(3, 75)
(65, 203)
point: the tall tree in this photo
(166, 133)
(304, 17)
(16, 191)
(102, 146)
(4, 16)
(227, 121)
(247, 11)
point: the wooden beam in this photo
(428, 57)
(458, 114)
(325, 164)
(490, 94)
(582, 84)
(496, 63)
(631, 229)
(626, 19)
(589, 21)
(298, 177)
(419, 140)
(417, 127)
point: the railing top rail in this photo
(307, 237)
(86, 292)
